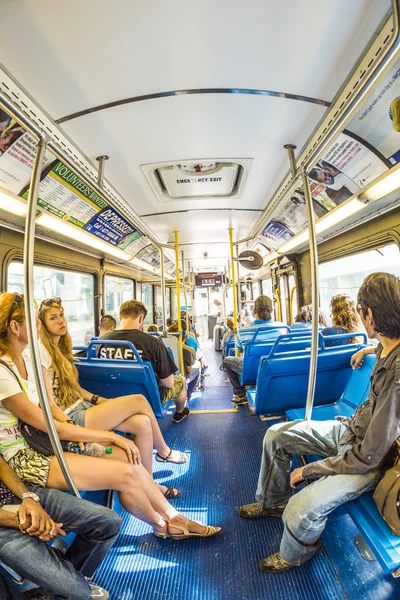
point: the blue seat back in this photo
(254, 351)
(282, 379)
(261, 333)
(117, 377)
(357, 388)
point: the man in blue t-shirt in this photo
(233, 365)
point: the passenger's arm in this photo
(88, 396)
(20, 406)
(381, 434)
(357, 359)
(31, 518)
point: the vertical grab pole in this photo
(224, 293)
(239, 293)
(184, 292)
(30, 314)
(163, 303)
(314, 295)
(235, 321)
(178, 301)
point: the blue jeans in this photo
(193, 379)
(63, 575)
(307, 511)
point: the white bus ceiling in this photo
(75, 56)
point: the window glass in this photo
(255, 289)
(147, 299)
(266, 287)
(292, 283)
(76, 290)
(116, 290)
(345, 275)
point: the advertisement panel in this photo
(374, 121)
(347, 167)
(110, 226)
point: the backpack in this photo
(387, 495)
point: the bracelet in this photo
(94, 399)
(70, 421)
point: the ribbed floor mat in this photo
(221, 474)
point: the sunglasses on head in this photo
(17, 300)
(50, 301)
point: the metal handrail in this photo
(30, 315)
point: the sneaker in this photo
(199, 388)
(274, 564)
(238, 400)
(178, 417)
(98, 592)
(255, 511)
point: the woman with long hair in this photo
(345, 319)
(121, 471)
(130, 414)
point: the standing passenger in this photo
(354, 451)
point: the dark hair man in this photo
(172, 387)
(107, 324)
(24, 511)
(354, 451)
(233, 365)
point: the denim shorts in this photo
(78, 413)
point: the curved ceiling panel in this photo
(99, 51)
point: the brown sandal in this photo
(210, 530)
(171, 493)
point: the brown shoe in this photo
(274, 564)
(255, 511)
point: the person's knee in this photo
(137, 399)
(273, 437)
(143, 425)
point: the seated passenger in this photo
(172, 387)
(304, 317)
(120, 471)
(354, 450)
(131, 414)
(107, 324)
(192, 373)
(228, 335)
(152, 329)
(344, 320)
(233, 365)
(45, 514)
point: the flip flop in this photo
(183, 457)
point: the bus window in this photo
(255, 289)
(116, 291)
(266, 287)
(345, 275)
(75, 289)
(293, 296)
(147, 299)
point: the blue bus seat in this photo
(282, 378)
(355, 393)
(253, 334)
(117, 377)
(254, 351)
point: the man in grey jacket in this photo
(354, 450)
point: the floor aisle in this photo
(225, 452)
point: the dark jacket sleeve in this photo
(382, 432)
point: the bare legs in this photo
(180, 401)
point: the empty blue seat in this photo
(253, 352)
(117, 377)
(282, 379)
(355, 393)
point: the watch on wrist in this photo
(31, 495)
(94, 399)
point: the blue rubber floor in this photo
(225, 449)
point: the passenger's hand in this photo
(132, 451)
(357, 359)
(296, 477)
(36, 522)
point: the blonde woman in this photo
(345, 319)
(119, 471)
(131, 414)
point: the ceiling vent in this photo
(199, 179)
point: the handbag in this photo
(36, 439)
(387, 495)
